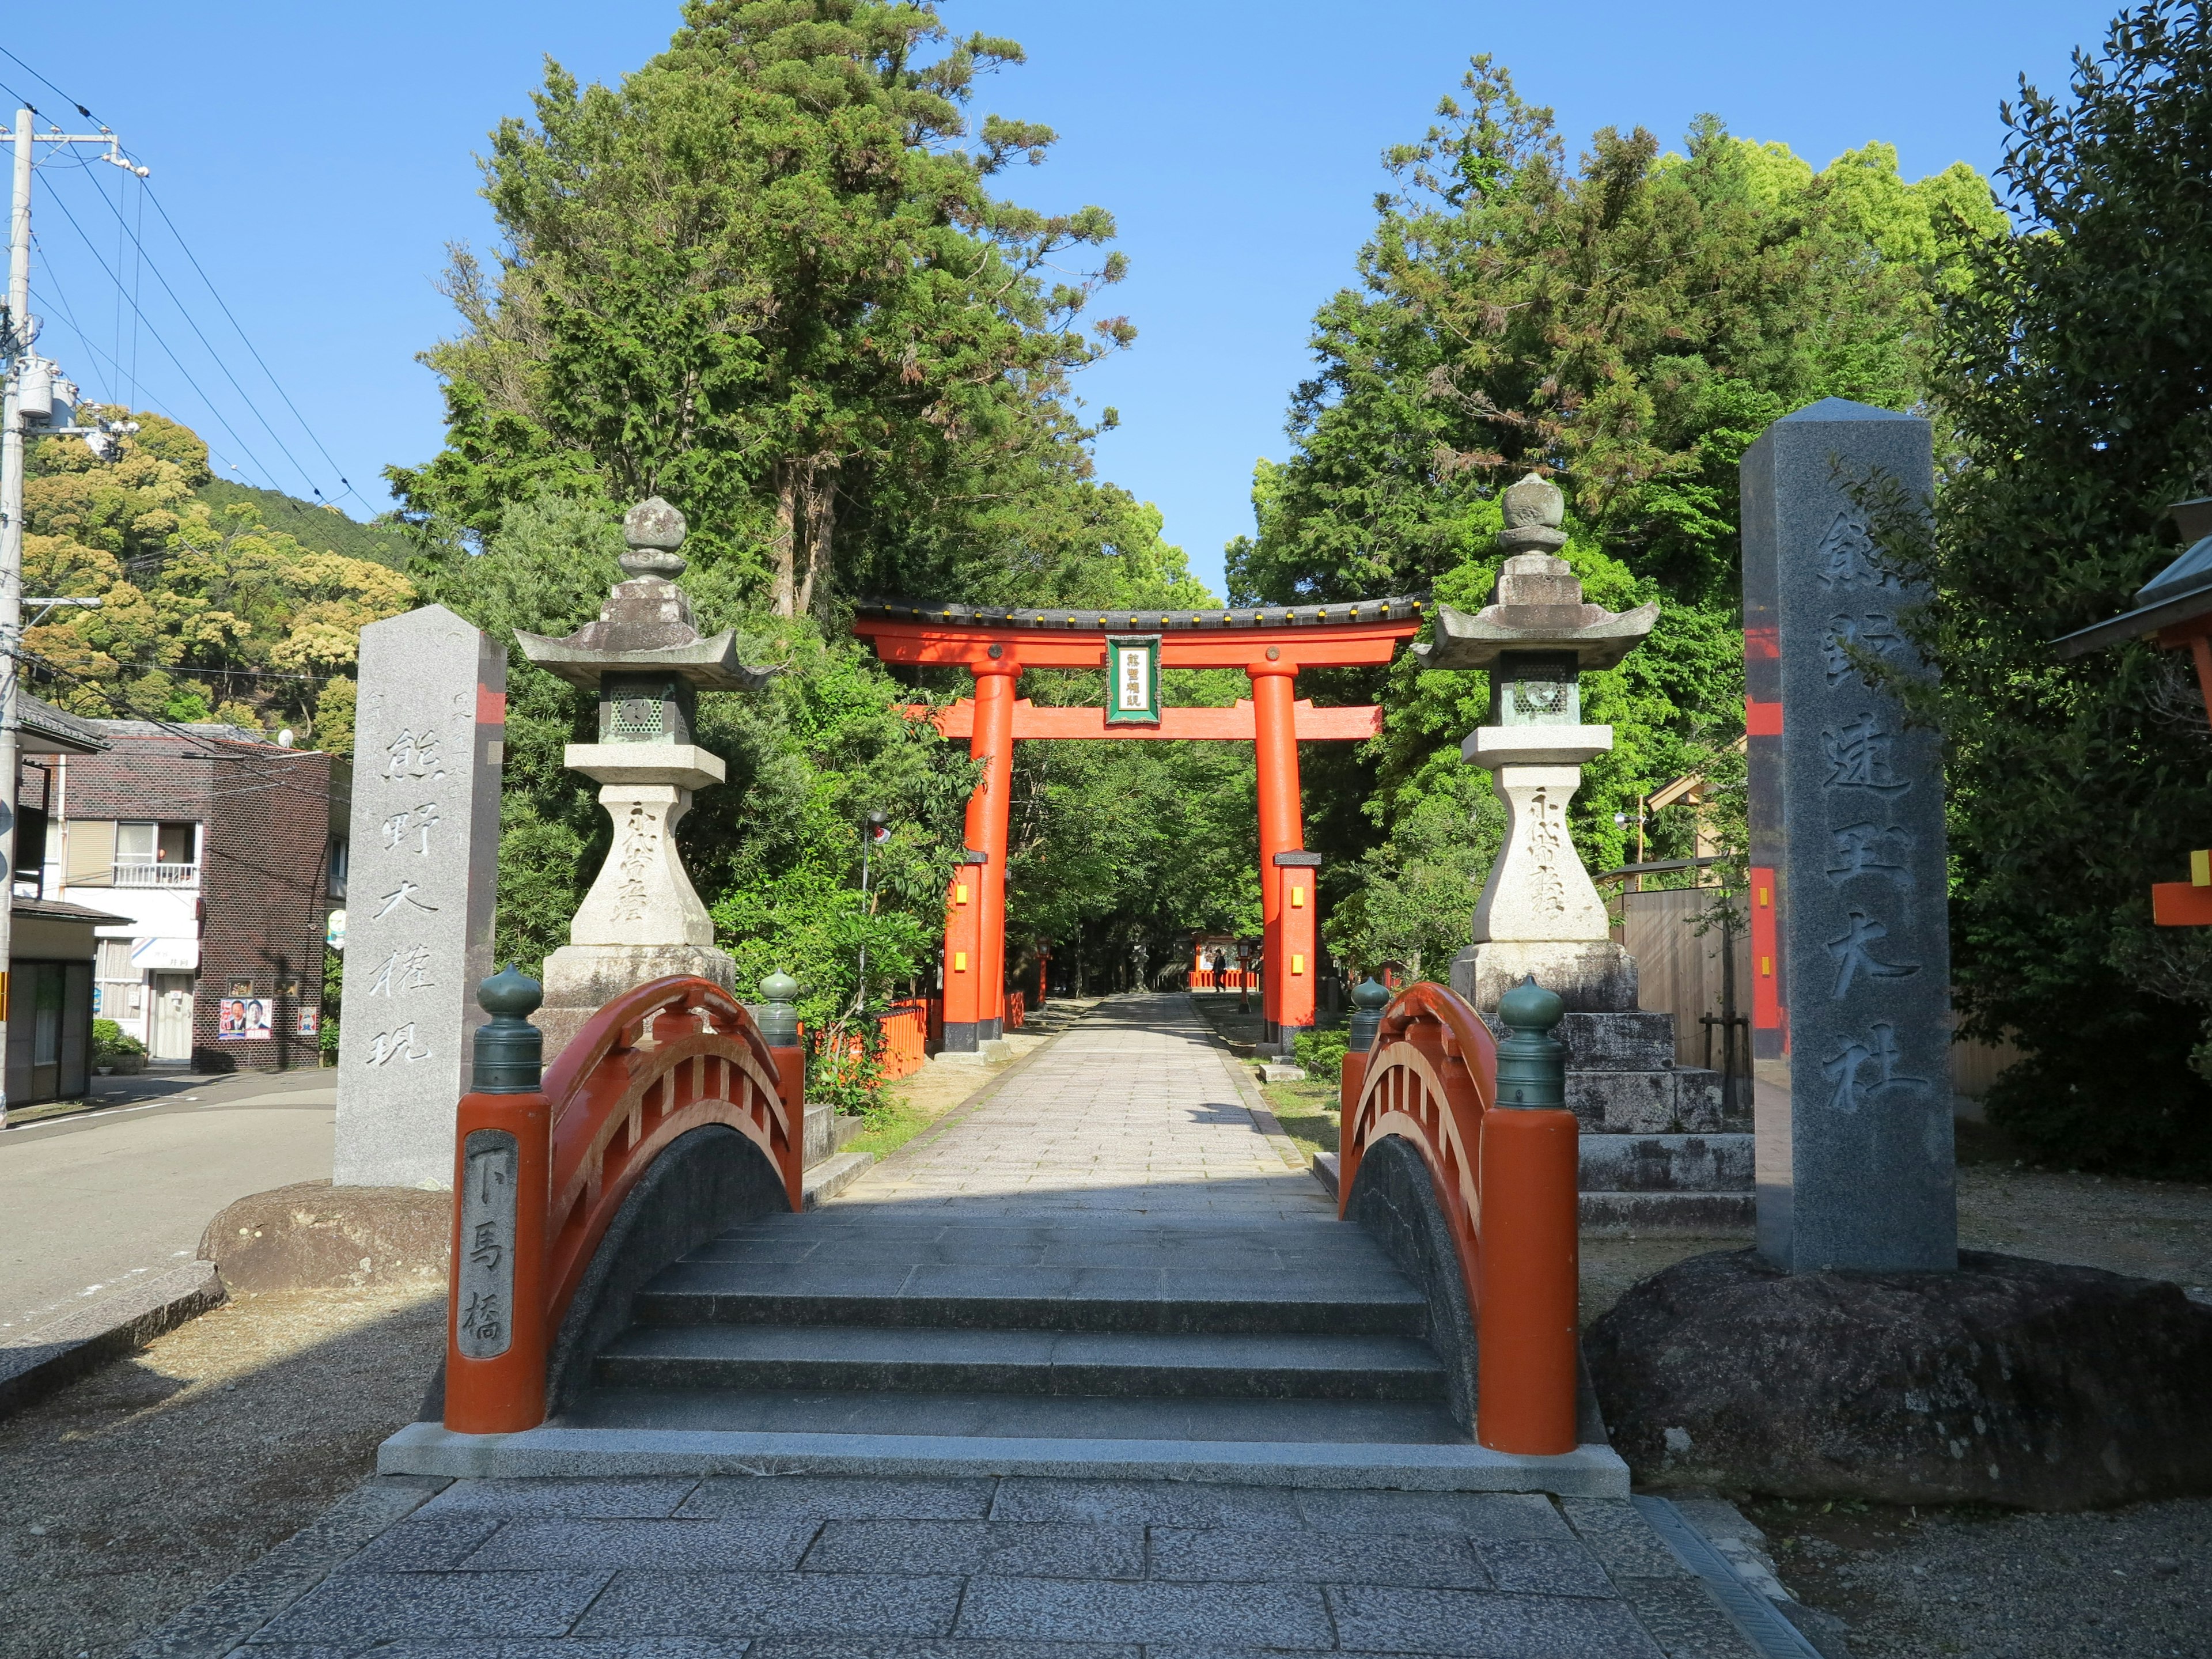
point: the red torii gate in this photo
(1270, 644)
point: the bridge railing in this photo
(541, 1168)
(1505, 1177)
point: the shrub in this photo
(1322, 1053)
(111, 1045)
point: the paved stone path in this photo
(804, 1567)
(1134, 1112)
(1131, 1123)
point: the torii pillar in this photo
(1285, 867)
(975, 905)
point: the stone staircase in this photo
(840, 1321)
(1662, 1151)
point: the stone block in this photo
(774, 1604)
(1219, 1554)
(1006, 1549)
(361, 1607)
(1664, 1163)
(1144, 1502)
(1851, 941)
(1490, 1625)
(1274, 1615)
(839, 1497)
(1622, 1539)
(1476, 1515)
(1676, 1215)
(1540, 1567)
(423, 852)
(1630, 1040)
(744, 1545)
(1684, 1619)
(552, 1496)
(1591, 977)
(1624, 1102)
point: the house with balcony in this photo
(219, 857)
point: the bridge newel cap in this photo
(779, 1017)
(509, 1052)
(510, 994)
(1369, 995)
(1528, 1008)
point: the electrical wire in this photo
(245, 448)
(137, 239)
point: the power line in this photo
(144, 258)
(148, 195)
(190, 323)
(244, 447)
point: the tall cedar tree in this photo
(1628, 325)
(2076, 370)
(765, 279)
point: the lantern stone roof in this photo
(646, 622)
(1539, 606)
(1398, 609)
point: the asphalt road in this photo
(88, 1201)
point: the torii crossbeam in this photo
(1270, 644)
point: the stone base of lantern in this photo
(581, 979)
(1589, 976)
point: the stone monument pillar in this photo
(423, 864)
(1661, 1150)
(642, 920)
(1851, 947)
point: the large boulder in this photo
(2009, 1381)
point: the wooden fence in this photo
(1678, 972)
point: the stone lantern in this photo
(1539, 913)
(644, 658)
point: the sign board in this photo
(166, 955)
(1132, 687)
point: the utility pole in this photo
(15, 341)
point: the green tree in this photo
(2075, 376)
(765, 277)
(1627, 325)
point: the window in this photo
(157, 843)
(46, 1028)
(337, 866)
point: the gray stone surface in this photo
(428, 742)
(1849, 927)
(912, 1570)
(1224, 1554)
(1004, 1549)
(1496, 1626)
(775, 1604)
(1291, 1615)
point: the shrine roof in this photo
(1402, 608)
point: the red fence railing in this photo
(659, 1061)
(906, 1038)
(1505, 1179)
(1226, 979)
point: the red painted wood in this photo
(1348, 645)
(2181, 904)
(1234, 724)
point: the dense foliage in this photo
(2075, 372)
(1628, 325)
(206, 612)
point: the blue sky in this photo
(318, 159)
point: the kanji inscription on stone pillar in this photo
(423, 864)
(1850, 957)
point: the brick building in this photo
(227, 855)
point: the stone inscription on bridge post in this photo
(422, 866)
(1851, 957)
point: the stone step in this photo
(1666, 1164)
(903, 1424)
(1381, 1302)
(1122, 1365)
(1684, 1215)
(832, 1175)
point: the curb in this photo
(223, 1618)
(58, 1353)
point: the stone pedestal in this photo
(642, 920)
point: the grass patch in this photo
(1307, 1113)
